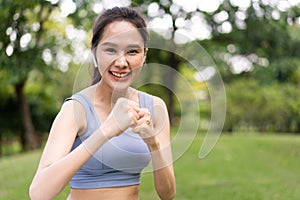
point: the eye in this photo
(133, 51)
(110, 50)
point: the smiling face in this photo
(120, 54)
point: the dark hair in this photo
(112, 15)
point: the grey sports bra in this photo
(119, 161)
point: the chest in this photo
(127, 152)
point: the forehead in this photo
(121, 33)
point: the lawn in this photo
(239, 167)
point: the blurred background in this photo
(255, 45)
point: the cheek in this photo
(101, 69)
(104, 62)
(136, 62)
(136, 71)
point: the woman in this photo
(105, 135)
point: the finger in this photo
(134, 109)
(139, 128)
(134, 105)
(129, 103)
(143, 130)
(133, 115)
(144, 112)
(148, 122)
(145, 120)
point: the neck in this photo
(108, 95)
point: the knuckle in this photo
(121, 100)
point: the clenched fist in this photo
(123, 115)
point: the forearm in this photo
(164, 178)
(165, 183)
(50, 180)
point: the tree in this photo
(162, 10)
(246, 39)
(264, 51)
(262, 34)
(22, 40)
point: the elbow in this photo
(172, 194)
(33, 192)
(168, 195)
(36, 193)
(38, 190)
(41, 192)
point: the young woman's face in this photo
(120, 54)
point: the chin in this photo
(121, 87)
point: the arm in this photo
(164, 178)
(58, 164)
(158, 141)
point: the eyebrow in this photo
(109, 44)
(115, 45)
(134, 46)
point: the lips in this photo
(120, 74)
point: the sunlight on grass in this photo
(16, 173)
(239, 167)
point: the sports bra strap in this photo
(91, 116)
(146, 101)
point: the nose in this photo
(121, 61)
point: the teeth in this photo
(119, 75)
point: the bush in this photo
(263, 108)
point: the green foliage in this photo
(258, 99)
(23, 34)
(265, 108)
(27, 32)
(269, 93)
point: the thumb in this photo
(141, 113)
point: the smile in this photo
(120, 74)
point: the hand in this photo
(123, 115)
(144, 126)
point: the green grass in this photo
(239, 167)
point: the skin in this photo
(121, 50)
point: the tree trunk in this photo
(171, 84)
(298, 127)
(29, 135)
(23, 142)
(1, 143)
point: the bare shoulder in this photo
(160, 108)
(161, 116)
(66, 126)
(70, 106)
(72, 112)
(157, 101)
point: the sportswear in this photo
(120, 160)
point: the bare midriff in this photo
(124, 193)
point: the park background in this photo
(255, 46)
